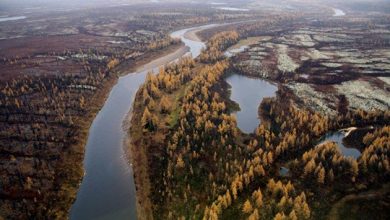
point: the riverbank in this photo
(147, 149)
(137, 154)
(149, 144)
(193, 34)
(98, 100)
(157, 57)
(143, 147)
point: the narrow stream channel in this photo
(107, 190)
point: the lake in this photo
(248, 92)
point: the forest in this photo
(50, 94)
(199, 165)
(178, 150)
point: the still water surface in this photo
(337, 137)
(248, 93)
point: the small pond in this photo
(337, 137)
(283, 171)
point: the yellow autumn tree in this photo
(247, 207)
(165, 105)
(321, 176)
(148, 121)
(180, 162)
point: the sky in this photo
(73, 4)
(42, 4)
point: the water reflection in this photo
(248, 93)
(337, 137)
(107, 190)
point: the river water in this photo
(107, 190)
(15, 18)
(248, 92)
(232, 9)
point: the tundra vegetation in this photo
(198, 165)
(56, 70)
(190, 160)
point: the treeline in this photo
(168, 80)
(279, 201)
(374, 161)
(162, 43)
(200, 127)
(164, 20)
(200, 110)
(216, 45)
(155, 112)
(325, 164)
(261, 25)
(203, 128)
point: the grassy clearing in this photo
(175, 98)
(245, 42)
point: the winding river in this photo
(107, 190)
